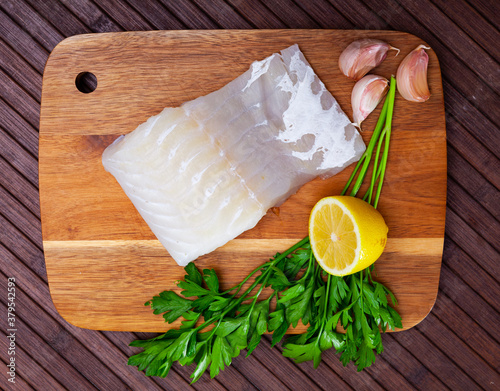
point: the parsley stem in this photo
(265, 274)
(245, 280)
(259, 292)
(291, 249)
(310, 265)
(268, 264)
(361, 291)
(328, 283)
(247, 292)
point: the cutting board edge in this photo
(85, 36)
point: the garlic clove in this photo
(412, 75)
(362, 55)
(366, 95)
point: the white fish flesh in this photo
(203, 173)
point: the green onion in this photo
(381, 136)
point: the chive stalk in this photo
(381, 136)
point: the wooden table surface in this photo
(455, 347)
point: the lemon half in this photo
(347, 234)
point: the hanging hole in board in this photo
(86, 82)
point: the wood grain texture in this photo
(102, 260)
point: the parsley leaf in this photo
(258, 325)
(169, 303)
(211, 280)
(193, 275)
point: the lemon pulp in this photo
(347, 234)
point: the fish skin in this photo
(203, 173)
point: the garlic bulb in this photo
(366, 95)
(412, 76)
(362, 55)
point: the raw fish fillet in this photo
(203, 173)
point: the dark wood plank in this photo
(330, 373)
(471, 242)
(15, 183)
(461, 45)
(470, 302)
(122, 340)
(468, 82)
(16, 246)
(189, 14)
(479, 155)
(457, 350)
(157, 14)
(34, 374)
(56, 336)
(258, 374)
(17, 213)
(19, 100)
(20, 247)
(325, 14)
(22, 42)
(473, 182)
(25, 135)
(289, 373)
(29, 20)
(124, 15)
(472, 273)
(44, 355)
(414, 371)
(223, 14)
(19, 384)
(59, 17)
(380, 375)
(489, 9)
(291, 14)
(435, 360)
(230, 378)
(22, 160)
(20, 71)
(473, 213)
(467, 114)
(469, 20)
(362, 17)
(386, 375)
(258, 13)
(92, 16)
(466, 329)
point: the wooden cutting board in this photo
(102, 260)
